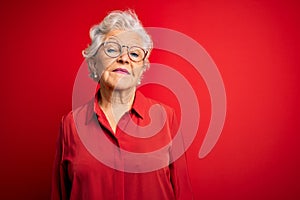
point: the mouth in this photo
(121, 71)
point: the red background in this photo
(255, 45)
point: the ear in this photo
(146, 61)
(146, 64)
(93, 72)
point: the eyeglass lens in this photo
(114, 49)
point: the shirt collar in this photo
(140, 107)
(141, 104)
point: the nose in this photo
(123, 58)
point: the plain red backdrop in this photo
(255, 45)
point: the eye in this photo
(111, 50)
(134, 54)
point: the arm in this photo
(180, 179)
(59, 186)
(179, 172)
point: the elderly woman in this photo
(119, 114)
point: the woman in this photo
(119, 114)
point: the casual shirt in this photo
(86, 168)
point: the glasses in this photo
(114, 49)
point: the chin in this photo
(125, 85)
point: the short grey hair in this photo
(116, 20)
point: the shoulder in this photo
(169, 110)
(76, 116)
(145, 105)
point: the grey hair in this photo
(115, 20)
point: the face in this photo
(119, 72)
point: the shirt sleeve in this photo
(178, 169)
(59, 175)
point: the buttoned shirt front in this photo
(94, 163)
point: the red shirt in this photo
(81, 174)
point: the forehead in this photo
(124, 37)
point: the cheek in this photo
(103, 64)
(139, 71)
(105, 75)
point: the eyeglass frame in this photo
(121, 50)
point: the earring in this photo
(95, 75)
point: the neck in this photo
(111, 97)
(115, 103)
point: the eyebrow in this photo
(133, 42)
(112, 38)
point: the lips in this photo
(121, 71)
